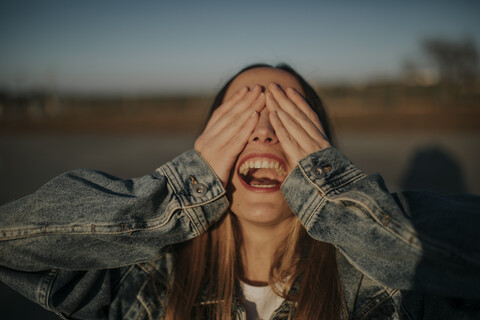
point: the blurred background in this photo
(124, 86)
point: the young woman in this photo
(263, 219)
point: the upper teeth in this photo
(262, 164)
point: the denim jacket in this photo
(88, 245)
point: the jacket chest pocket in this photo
(150, 301)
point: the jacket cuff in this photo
(320, 173)
(195, 184)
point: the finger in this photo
(259, 103)
(226, 105)
(294, 129)
(289, 122)
(220, 137)
(233, 137)
(234, 105)
(233, 121)
(288, 143)
(227, 149)
(294, 108)
(284, 102)
(228, 154)
(298, 99)
(306, 140)
(241, 138)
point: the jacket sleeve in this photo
(418, 241)
(85, 220)
(81, 245)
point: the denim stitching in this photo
(87, 228)
(314, 212)
(127, 273)
(45, 288)
(144, 303)
(352, 180)
(372, 209)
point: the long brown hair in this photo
(207, 267)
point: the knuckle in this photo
(199, 143)
(231, 118)
(298, 114)
(218, 112)
(312, 114)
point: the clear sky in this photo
(189, 46)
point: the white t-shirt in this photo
(260, 302)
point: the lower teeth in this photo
(263, 185)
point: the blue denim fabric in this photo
(91, 246)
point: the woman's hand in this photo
(228, 130)
(296, 125)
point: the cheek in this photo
(234, 193)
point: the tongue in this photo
(266, 178)
(263, 174)
(262, 181)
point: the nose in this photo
(263, 132)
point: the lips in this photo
(262, 172)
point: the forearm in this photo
(413, 242)
(90, 220)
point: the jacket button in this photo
(199, 190)
(318, 172)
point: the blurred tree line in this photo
(456, 61)
(444, 77)
(454, 66)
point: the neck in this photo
(259, 243)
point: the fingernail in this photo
(294, 90)
(277, 86)
(243, 89)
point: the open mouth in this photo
(262, 173)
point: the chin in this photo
(263, 214)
